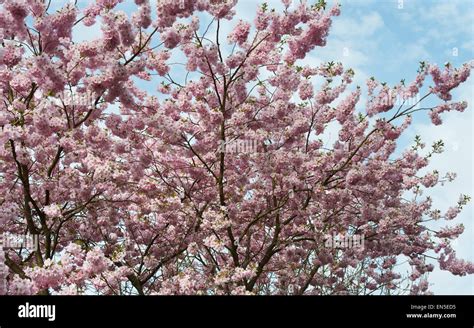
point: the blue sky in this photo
(387, 39)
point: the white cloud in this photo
(349, 28)
(457, 134)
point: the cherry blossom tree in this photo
(216, 179)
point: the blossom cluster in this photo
(132, 193)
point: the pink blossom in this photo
(240, 33)
(306, 90)
(452, 213)
(52, 211)
(170, 37)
